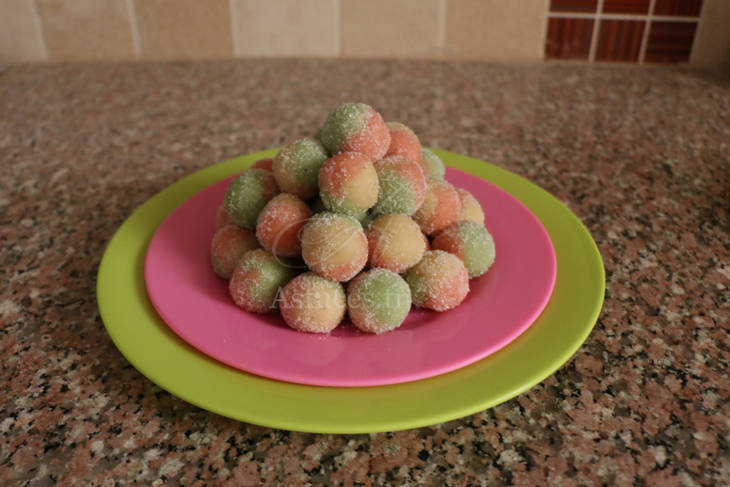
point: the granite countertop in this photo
(639, 155)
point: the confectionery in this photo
(266, 164)
(348, 184)
(431, 164)
(470, 242)
(221, 217)
(312, 303)
(334, 246)
(440, 207)
(297, 166)
(402, 186)
(395, 242)
(439, 281)
(403, 142)
(248, 194)
(280, 223)
(378, 300)
(228, 245)
(470, 207)
(257, 281)
(356, 127)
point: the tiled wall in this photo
(635, 31)
(629, 31)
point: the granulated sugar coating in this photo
(228, 245)
(440, 207)
(296, 167)
(221, 217)
(334, 246)
(439, 281)
(266, 164)
(248, 194)
(431, 164)
(395, 243)
(356, 127)
(470, 208)
(403, 142)
(280, 223)
(348, 184)
(402, 186)
(471, 242)
(378, 300)
(312, 303)
(256, 282)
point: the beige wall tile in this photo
(86, 29)
(496, 30)
(20, 34)
(711, 48)
(390, 28)
(179, 29)
(286, 27)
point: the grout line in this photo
(645, 37)
(594, 35)
(663, 18)
(234, 26)
(441, 33)
(39, 29)
(543, 34)
(338, 28)
(136, 41)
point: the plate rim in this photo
(223, 390)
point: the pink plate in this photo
(501, 304)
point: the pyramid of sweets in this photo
(357, 220)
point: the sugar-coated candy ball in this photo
(439, 281)
(356, 127)
(221, 217)
(266, 164)
(280, 223)
(228, 245)
(334, 246)
(248, 194)
(440, 208)
(297, 165)
(395, 242)
(403, 142)
(471, 242)
(378, 300)
(402, 186)
(432, 165)
(312, 303)
(470, 207)
(257, 280)
(348, 184)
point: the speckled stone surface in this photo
(640, 155)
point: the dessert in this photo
(296, 166)
(348, 184)
(266, 164)
(402, 186)
(470, 207)
(312, 303)
(378, 300)
(403, 142)
(248, 194)
(395, 242)
(229, 244)
(221, 217)
(355, 127)
(431, 164)
(279, 224)
(470, 242)
(257, 280)
(440, 207)
(334, 246)
(439, 281)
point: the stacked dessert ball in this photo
(356, 220)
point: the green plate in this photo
(149, 345)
